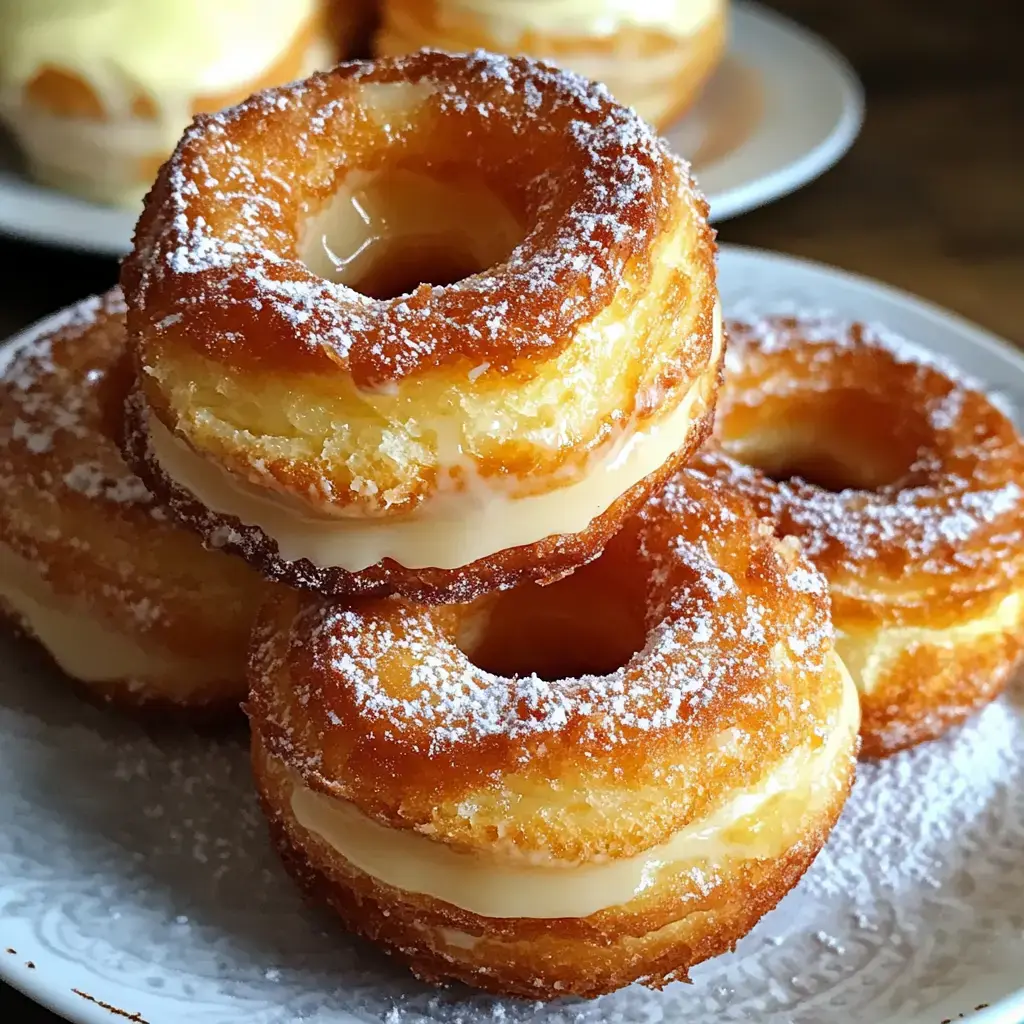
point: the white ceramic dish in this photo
(783, 108)
(136, 870)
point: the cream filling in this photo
(102, 159)
(165, 47)
(747, 826)
(452, 528)
(83, 646)
(508, 22)
(869, 655)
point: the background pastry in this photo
(905, 484)
(97, 92)
(125, 602)
(654, 55)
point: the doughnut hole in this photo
(384, 234)
(587, 624)
(839, 440)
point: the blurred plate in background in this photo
(782, 109)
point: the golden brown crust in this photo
(544, 561)
(733, 689)
(725, 629)
(650, 941)
(921, 531)
(927, 689)
(213, 271)
(92, 538)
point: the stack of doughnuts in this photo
(550, 689)
(428, 342)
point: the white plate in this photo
(137, 870)
(783, 108)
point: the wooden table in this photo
(931, 198)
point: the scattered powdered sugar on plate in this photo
(137, 866)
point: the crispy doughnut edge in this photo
(542, 562)
(388, 917)
(928, 690)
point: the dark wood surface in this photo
(931, 197)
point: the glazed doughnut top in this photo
(593, 192)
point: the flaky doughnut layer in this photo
(544, 837)
(97, 95)
(576, 350)
(90, 566)
(906, 486)
(654, 58)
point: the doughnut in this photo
(654, 57)
(127, 603)
(560, 790)
(97, 94)
(306, 399)
(903, 482)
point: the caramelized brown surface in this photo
(217, 267)
(378, 702)
(714, 646)
(71, 509)
(653, 941)
(905, 485)
(930, 521)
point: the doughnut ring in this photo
(904, 484)
(437, 440)
(654, 57)
(617, 799)
(124, 601)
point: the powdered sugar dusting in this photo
(589, 219)
(46, 395)
(960, 504)
(710, 632)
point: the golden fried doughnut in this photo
(124, 601)
(904, 484)
(654, 57)
(98, 93)
(435, 440)
(561, 790)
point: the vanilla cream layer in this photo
(83, 646)
(869, 656)
(453, 527)
(103, 160)
(760, 822)
(161, 46)
(508, 22)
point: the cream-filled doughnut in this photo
(97, 92)
(561, 790)
(905, 485)
(125, 602)
(434, 325)
(653, 56)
